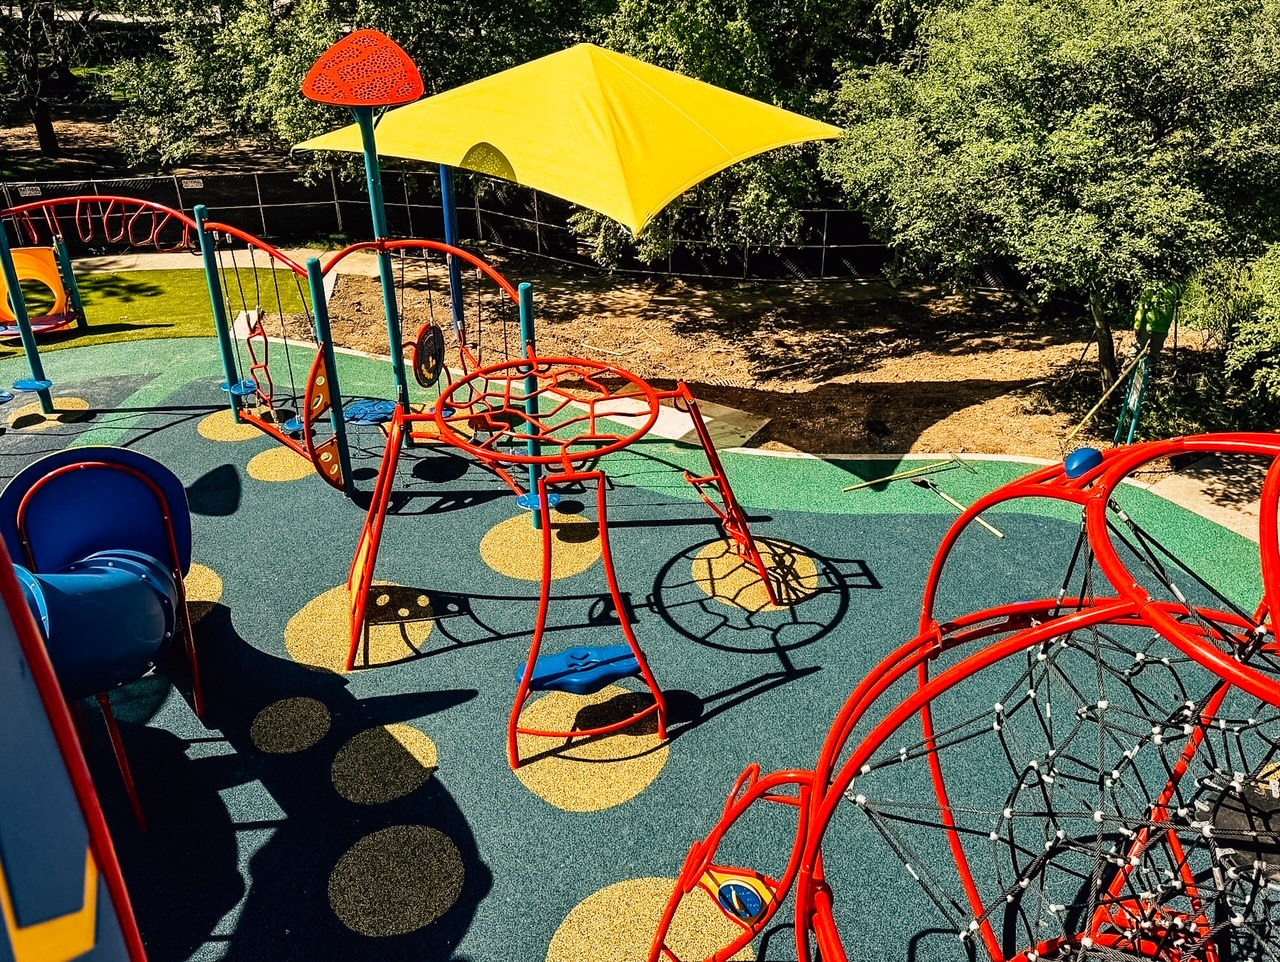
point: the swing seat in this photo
(582, 671)
(29, 384)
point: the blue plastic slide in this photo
(100, 536)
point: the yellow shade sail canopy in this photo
(598, 128)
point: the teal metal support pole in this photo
(320, 311)
(19, 305)
(373, 173)
(529, 349)
(449, 207)
(69, 281)
(219, 307)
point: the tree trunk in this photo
(1106, 342)
(46, 135)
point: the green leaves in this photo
(1096, 145)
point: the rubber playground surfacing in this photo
(316, 814)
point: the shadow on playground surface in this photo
(318, 814)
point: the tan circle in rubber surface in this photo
(279, 464)
(590, 774)
(221, 426)
(396, 880)
(514, 547)
(727, 576)
(204, 591)
(290, 725)
(66, 410)
(320, 634)
(617, 924)
(384, 763)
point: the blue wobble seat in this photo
(582, 671)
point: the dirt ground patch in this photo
(837, 367)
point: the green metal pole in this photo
(69, 281)
(320, 311)
(225, 346)
(373, 173)
(19, 305)
(529, 349)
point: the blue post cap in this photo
(531, 502)
(1081, 461)
(32, 384)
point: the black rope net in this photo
(1097, 793)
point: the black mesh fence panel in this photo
(279, 207)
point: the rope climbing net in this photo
(1093, 774)
(553, 411)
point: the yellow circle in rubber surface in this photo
(66, 410)
(290, 725)
(396, 880)
(514, 547)
(590, 774)
(279, 464)
(383, 764)
(221, 426)
(618, 923)
(204, 590)
(320, 634)
(729, 577)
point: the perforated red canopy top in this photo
(364, 69)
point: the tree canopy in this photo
(234, 70)
(1096, 146)
(40, 41)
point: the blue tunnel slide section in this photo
(102, 617)
(100, 533)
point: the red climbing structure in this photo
(554, 414)
(1088, 774)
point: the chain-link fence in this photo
(281, 208)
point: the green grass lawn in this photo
(133, 305)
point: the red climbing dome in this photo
(364, 69)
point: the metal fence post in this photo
(337, 204)
(537, 224)
(822, 265)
